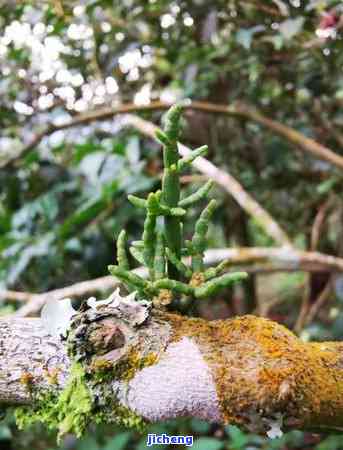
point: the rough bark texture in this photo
(28, 355)
(248, 370)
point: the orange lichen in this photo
(101, 364)
(52, 375)
(127, 368)
(27, 379)
(197, 279)
(261, 369)
(164, 297)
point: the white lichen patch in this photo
(180, 384)
(112, 301)
(275, 427)
(137, 311)
(56, 316)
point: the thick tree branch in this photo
(295, 137)
(248, 371)
(236, 110)
(251, 259)
(28, 353)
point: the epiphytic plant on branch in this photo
(163, 247)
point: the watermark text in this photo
(160, 439)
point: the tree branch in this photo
(16, 296)
(295, 137)
(236, 110)
(249, 371)
(319, 302)
(251, 259)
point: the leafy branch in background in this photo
(162, 246)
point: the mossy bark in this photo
(262, 371)
(259, 369)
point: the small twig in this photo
(315, 233)
(277, 12)
(324, 123)
(300, 323)
(319, 302)
(318, 223)
(295, 137)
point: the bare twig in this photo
(281, 258)
(315, 233)
(319, 302)
(295, 137)
(277, 12)
(325, 123)
(185, 179)
(305, 303)
(318, 223)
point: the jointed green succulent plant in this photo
(162, 248)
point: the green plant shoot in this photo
(162, 247)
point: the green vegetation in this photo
(69, 412)
(161, 247)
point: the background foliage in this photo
(64, 202)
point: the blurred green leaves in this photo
(85, 198)
(206, 443)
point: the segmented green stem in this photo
(156, 208)
(137, 254)
(136, 201)
(199, 237)
(129, 278)
(149, 243)
(215, 271)
(162, 137)
(187, 160)
(181, 267)
(174, 286)
(138, 244)
(172, 129)
(212, 287)
(200, 194)
(123, 261)
(160, 259)
(171, 184)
